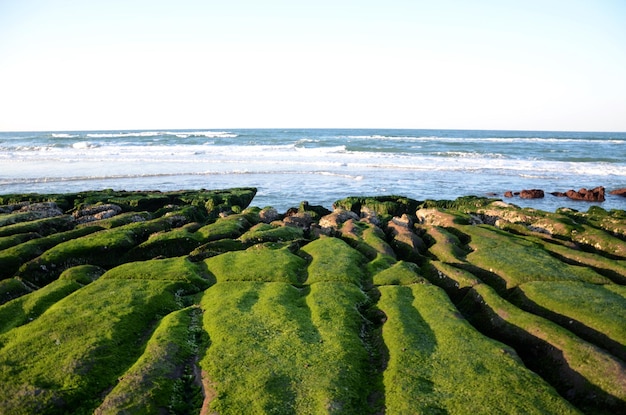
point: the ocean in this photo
(320, 165)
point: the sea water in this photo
(320, 165)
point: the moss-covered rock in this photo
(385, 206)
(192, 298)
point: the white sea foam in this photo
(180, 134)
(469, 154)
(207, 134)
(82, 145)
(63, 135)
(466, 140)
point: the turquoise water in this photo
(319, 165)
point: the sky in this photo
(446, 64)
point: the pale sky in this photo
(150, 64)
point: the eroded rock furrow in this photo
(193, 302)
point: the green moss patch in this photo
(334, 260)
(590, 377)
(263, 233)
(162, 379)
(28, 307)
(611, 268)
(229, 227)
(30, 222)
(517, 260)
(438, 363)
(106, 248)
(78, 348)
(304, 349)
(258, 263)
(176, 242)
(12, 240)
(447, 246)
(592, 311)
(12, 288)
(12, 258)
(386, 206)
(400, 273)
(170, 269)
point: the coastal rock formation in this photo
(532, 194)
(198, 302)
(97, 212)
(336, 218)
(594, 195)
(619, 192)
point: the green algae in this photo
(106, 248)
(385, 206)
(90, 338)
(170, 270)
(229, 227)
(154, 383)
(447, 246)
(12, 258)
(438, 363)
(119, 220)
(288, 318)
(400, 273)
(176, 242)
(262, 233)
(258, 263)
(455, 281)
(591, 378)
(334, 260)
(591, 311)
(28, 307)
(11, 288)
(30, 222)
(304, 347)
(516, 260)
(12, 240)
(613, 269)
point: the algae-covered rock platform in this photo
(188, 302)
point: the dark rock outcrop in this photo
(594, 195)
(532, 194)
(619, 192)
(268, 215)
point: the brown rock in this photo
(558, 194)
(405, 240)
(268, 215)
(531, 194)
(403, 221)
(619, 192)
(336, 218)
(508, 193)
(593, 195)
(301, 220)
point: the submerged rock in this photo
(619, 192)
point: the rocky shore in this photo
(597, 194)
(198, 302)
